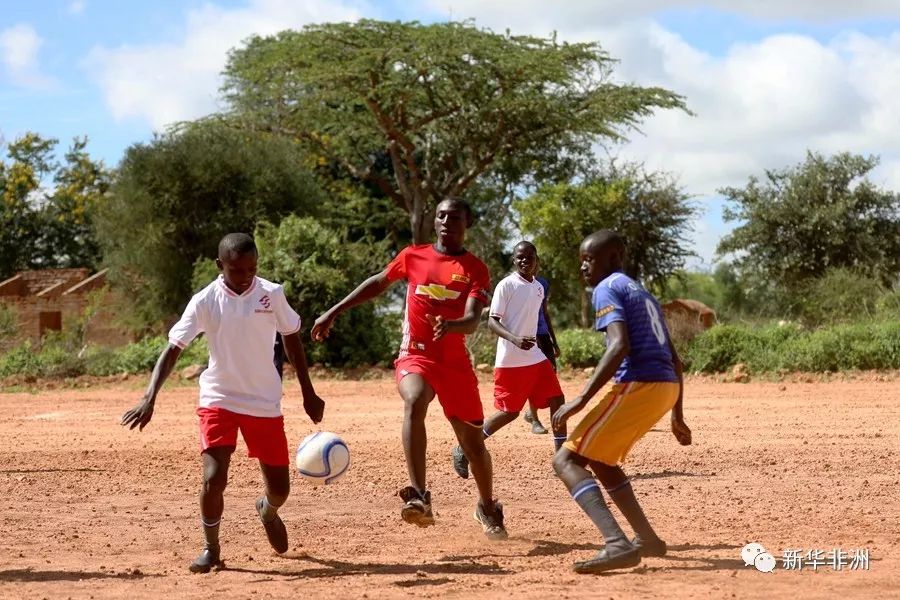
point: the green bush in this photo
(869, 345)
(580, 347)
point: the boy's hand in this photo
(322, 327)
(140, 415)
(562, 414)
(314, 407)
(438, 325)
(682, 432)
(556, 352)
(526, 343)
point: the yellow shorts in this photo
(628, 411)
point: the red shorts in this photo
(513, 386)
(454, 383)
(264, 436)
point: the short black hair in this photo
(525, 244)
(236, 244)
(605, 237)
(462, 204)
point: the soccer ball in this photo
(322, 458)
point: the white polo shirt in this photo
(240, 331)
(516, 303)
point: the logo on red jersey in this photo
(436, 292)
(460, 278)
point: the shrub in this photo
(580, 347)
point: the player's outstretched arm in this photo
(465, 325)
(368, 289)
(679, 428)
(312, 404)
(617, 348)
(496, 326)
(141, 414)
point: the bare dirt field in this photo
(91, 510)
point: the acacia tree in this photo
(799, 222)
(421, 112)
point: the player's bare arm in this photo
(617, 348)
(496, 326)
(140, 415)
(368, 289)
(679, 428)
(467, 324)
(312, 404)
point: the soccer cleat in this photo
(275, 530)
(460, 462)
(417, 507)
(208, 560)
(655, 547)
(603, 561)
(491, 524)
(538, 428)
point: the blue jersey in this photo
(620, 298)
(542, 322)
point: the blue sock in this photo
(558, 441)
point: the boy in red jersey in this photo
(447, 289)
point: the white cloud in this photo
(164, 83)
(19, 49)
(76, 7)
(577, 15)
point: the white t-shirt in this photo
(517, 302)
(240, 331)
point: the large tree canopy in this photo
(422, 111)
(648, 209)
(176, 196)
(799, 222)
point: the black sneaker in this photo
(275, 530)
(491, 524)
(417, 507)
(603, 561)
(460, 462)
(655, 547)
(538, 428)
(208, 560)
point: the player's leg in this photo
(559, 433)
(216, 461)
(618, 486)
(511, 387)
(417, 394)
(267, 442)
(277, 479)
(530, 416)
(488, 512)
(618, 552)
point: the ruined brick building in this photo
(52, 299)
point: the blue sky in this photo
(768, 80)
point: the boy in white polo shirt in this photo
(240, 314)
(521, 371)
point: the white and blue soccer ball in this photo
(322, 458)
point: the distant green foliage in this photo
(177, 195)
(318, 266)
(580, 347)
(649, 209)
(797, 223)
(873, 345)
(57, 358)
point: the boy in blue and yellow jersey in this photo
(648, 383)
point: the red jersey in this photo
(439, 285)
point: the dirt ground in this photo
(90, 510)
